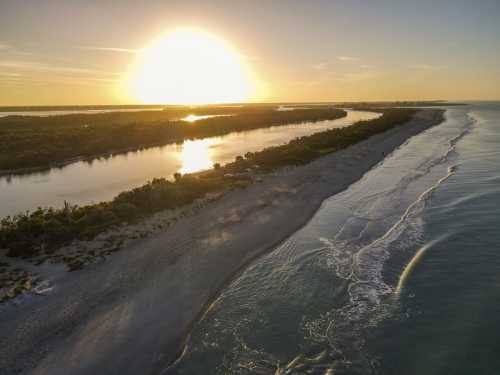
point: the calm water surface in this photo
(399, 274)
(102, 179)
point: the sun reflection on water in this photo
(193, 118)
(197, 155)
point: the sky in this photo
(81, 52)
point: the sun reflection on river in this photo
(193, 118)
(197, 155)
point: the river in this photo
(101, 179)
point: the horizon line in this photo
(3, 107)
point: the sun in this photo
(189, 66)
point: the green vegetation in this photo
(38, 142)
(363, 105)
(41, 231)
(305, 149)
(402, 104)
(14, 281)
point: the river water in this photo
(398, 274)
(102, 179)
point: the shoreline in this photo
(151, 293)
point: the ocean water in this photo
(398, 274)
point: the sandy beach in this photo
(132, 314)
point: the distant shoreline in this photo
(168, 106)
(78, 107)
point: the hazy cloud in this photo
(44, 79)
(11, 77)
(427, 67)
(346, 58)
(22, 71)
(35, 66)
(3, 74)
(111, 49)
(4, 46)
(320, 66)
(357, 76)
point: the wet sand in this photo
(132, 313)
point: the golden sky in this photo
(108, 52)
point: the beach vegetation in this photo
(45, 229)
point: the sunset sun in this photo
(189, 66)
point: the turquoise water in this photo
(399, 274)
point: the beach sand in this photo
(133, 313)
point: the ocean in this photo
(398, 274)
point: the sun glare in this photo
(197, 155)
(189, 66)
